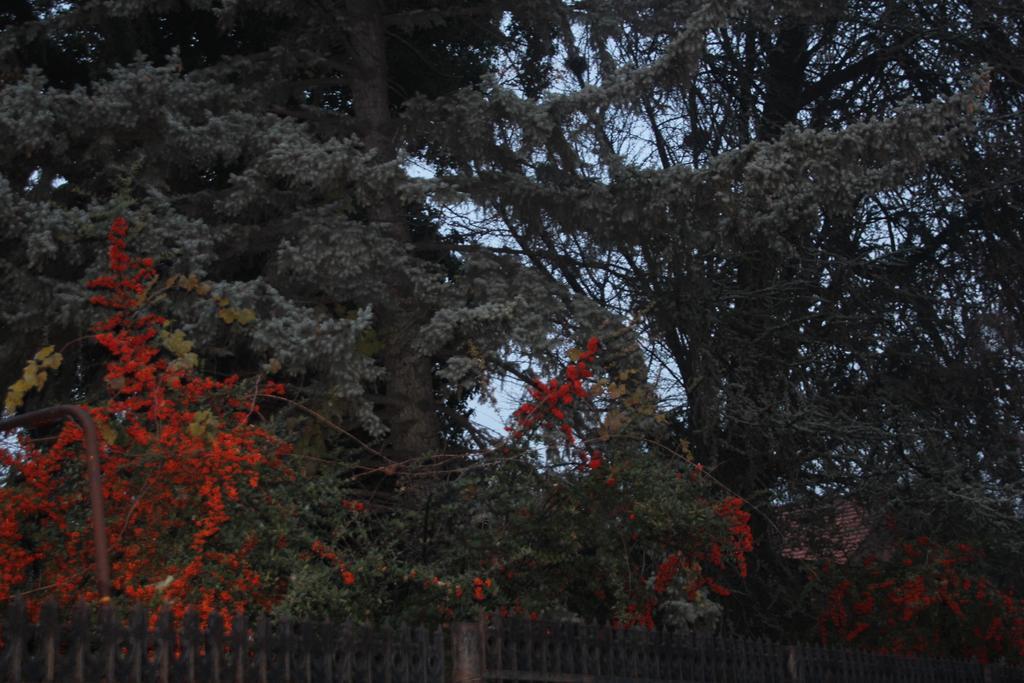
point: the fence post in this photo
(793, 664)
(467, 653)
(14, 634)
(49, 630)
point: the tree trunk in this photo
(409, 408)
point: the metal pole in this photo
(92, 451)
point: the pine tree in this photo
(780, 196)
(258, 148)
(808, 215)
(259, 154)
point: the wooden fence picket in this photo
(101, 645)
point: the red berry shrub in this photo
(182, 464)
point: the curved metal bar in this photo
(92, 450)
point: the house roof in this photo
(804, 537)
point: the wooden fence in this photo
(539, 652)
(97, 647)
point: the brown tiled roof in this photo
(838, 543)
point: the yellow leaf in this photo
(684, 448)
(53, 362)
(16, 395)
(614, 421)
(190, 282)
(176, 343)
(616, 391)
(242, 316)
(245, 316)
(180, 346)
(638, 400)
(574, 354)
(202, 422)
(108, 433)
(186, 362)
(30, 374)
(32, 377)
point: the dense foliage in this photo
(204, 515)
(793, 232)
(925, 599)
(185, 471)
